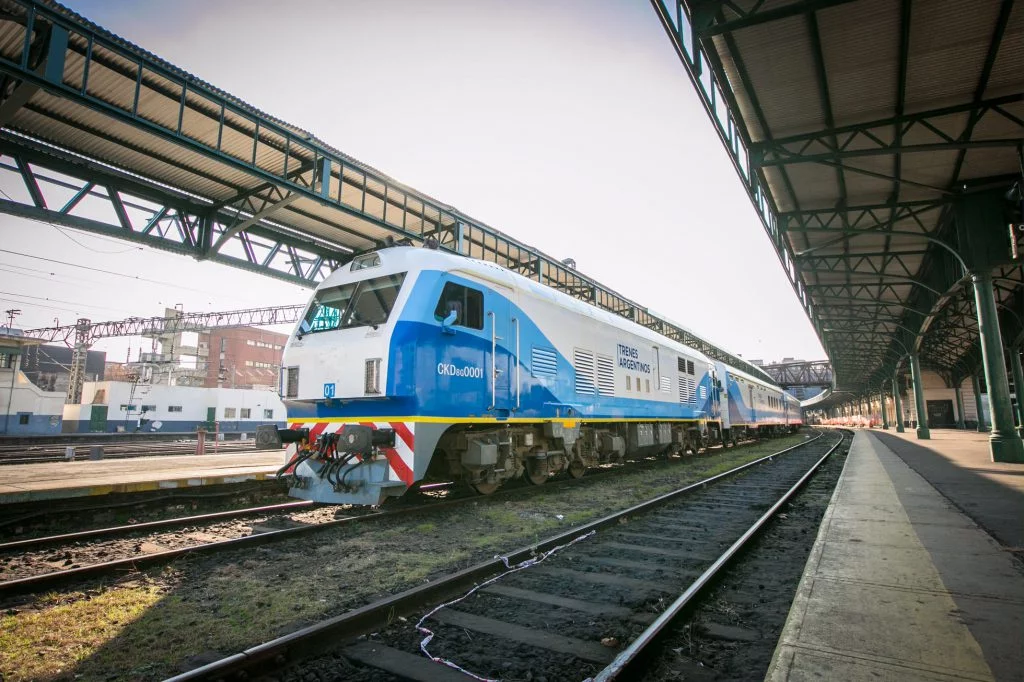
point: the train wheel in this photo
(535, 473)
(485, 488)
(577, 469)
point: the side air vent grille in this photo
(543, 362)
(686, 386)
(291, 382)
(605, 375)
(583, 363)
(372, 383)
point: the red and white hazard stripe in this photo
(401, 458)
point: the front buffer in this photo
(360, 463)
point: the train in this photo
(414, 364)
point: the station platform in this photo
(21, 483)
(901, 584)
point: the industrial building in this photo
(27, 409)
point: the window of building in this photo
(174, 408)
(6, 360)
(223, 345)
(23, 419)
(229, 413)
(268, 414)
(259, 365)
(245, 412)
(467, 303)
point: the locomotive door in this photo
(504, 332)
(715, 406)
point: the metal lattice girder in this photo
(242, 187)
(793, 374)
(63, 189)
(854, 164)
(86, 331)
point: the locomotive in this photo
(413, 365)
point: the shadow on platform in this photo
(995, 506)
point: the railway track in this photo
(36, 454)
(585, 603)
(49, 562)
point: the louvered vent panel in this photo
(605, 375)
(543, 362)
(686, 390)
(583, 363)
(666, 384)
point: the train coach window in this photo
(467, 303)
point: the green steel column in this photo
(881, 403)
(1018, 382)
(1004, 442)
(976, 387)
(899, 404)
(959, 408)
(922, 415)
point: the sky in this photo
(570, 125)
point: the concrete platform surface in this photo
(901, 585)
(959, 465)
(58, 480)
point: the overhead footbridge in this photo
(880, 142)
(92, 125)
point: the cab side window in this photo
(467, 303)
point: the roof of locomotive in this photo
(409, 258)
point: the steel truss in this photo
(277, 200)
(868, 305)
(801, 374)
(85, 332)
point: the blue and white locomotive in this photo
(414, 364)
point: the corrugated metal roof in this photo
(836, 140)
(118, 107)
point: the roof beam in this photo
(903, 120)
(706, 25)
(786, 157)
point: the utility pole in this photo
(11, 314)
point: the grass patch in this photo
(217, 605)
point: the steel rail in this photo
(55, 578)
(31, 543)
(628, 657)
(290, 648)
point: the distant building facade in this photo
(242, 357)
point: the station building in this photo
(120, 406)
(26, 408)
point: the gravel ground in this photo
(733, 634)
(20, 522)
(48, 559)
(637, 568)
(162, 621)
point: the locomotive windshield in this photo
(356, 304)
